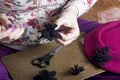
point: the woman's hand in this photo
(6, 21)
(68, 22)
(9, 32)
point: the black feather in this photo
(49, 32)
(76, 70)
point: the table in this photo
(20, 68)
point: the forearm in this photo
(71, 11)
(82, 6)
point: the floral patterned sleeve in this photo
(82, 5)
(34, 13)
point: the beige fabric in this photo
(108, 15)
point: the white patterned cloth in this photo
(33, 13)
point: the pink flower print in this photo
(34, 23)
(31, 33)
(18, 41)
(89, 1)
(51, 0)
(13, 14)
(50, 13)
(9, 3)
(31, 8)
(33, 14)
(24, 25)
(35, 2)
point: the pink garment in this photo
(105, 35)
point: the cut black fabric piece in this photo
(46, 75)
(76, 70)
(101, 56)
(49, 32)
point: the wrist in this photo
(71, 11)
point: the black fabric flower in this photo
(46, 75)
(101, 56)
(76, 70)
(49, 32)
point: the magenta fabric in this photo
(105, 35)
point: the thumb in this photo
(5, 21)
(59, 22)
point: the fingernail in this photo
(25, 25)
(13, 28)
(10, 25)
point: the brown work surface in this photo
(20, 68)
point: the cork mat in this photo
(20, 68)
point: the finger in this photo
(3, 28)
(11, 18)
(4, 34)
(18, 25)
(6, 40)
(20, 33)
(14, 33)
(59, 23)
(64, 42)
(69, 35)
(6, 21)
(0, 27)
